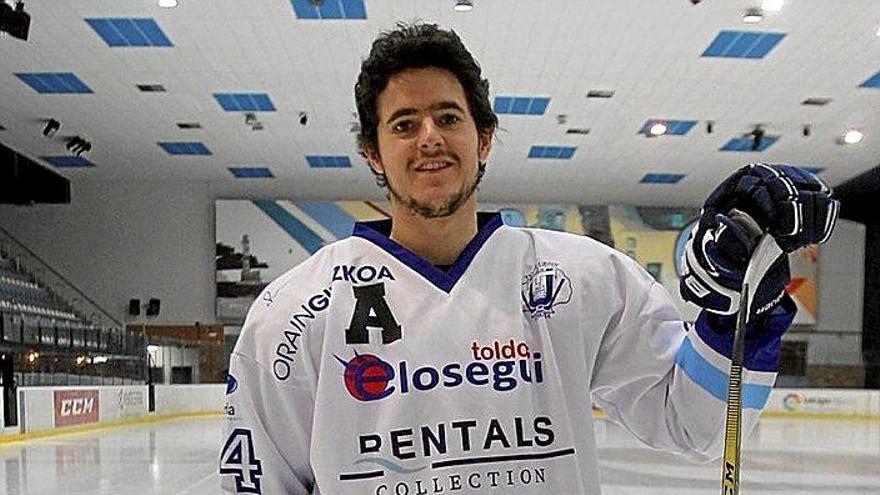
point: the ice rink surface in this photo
(783, 456)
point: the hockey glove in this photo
(792, 205)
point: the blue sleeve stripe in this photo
(715, 381)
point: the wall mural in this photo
(259, 240)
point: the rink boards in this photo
(49, 410)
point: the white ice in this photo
(784, 456)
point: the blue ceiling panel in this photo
(538, 106)
(502, 104)
(673, 127)
(153, 32)
(567, 152)
(743, 44)
(329, 9)
(107, 32)
(521, 105)
(244, 102)
(552, 152)
(67, 161)
(354, 9)
(54, 82)
(661, 178)
(264, 104)
(720, 43)
(745, 144)
(251, 172)
(872, 82)
(227, 102)
(682, 127)
(129, 32)
(764, 45)
(185, 148)
(328, 161)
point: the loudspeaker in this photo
(134, 307)
(153, 307)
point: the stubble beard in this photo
(446, 209)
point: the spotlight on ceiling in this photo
(757, 138)
(753, 16)
(77, 146)
(853, 136)
(807, 130)
(51, 128)
(772, 5)
(303, 118)
(710, 127)
(16, 22)
(657, 129)
(250, 119)
(463, 6)
(167, 4)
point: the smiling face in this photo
(428, 145)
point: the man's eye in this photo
(402, 126)
(449, 119)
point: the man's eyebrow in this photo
(443, 105)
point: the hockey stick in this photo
(764, 255)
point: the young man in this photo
(441, 351)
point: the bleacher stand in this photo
(35, 319)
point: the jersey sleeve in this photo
(269, 410)
(665, 380)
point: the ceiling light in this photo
(167, 4)
(853, 136)
(600, 93)
(51, 128)
(151, 88)
(578, 130)
(772, 5)
(816, 102)
(753, 16)
(657, 129)
(757, 137)
(878, 31)
(463, 6)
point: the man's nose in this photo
(429, 135)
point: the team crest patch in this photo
(544, 288)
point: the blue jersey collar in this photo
(378, 233)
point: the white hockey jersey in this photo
(366, 370)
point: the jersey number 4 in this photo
(238, 459)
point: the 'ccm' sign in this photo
(74, 407)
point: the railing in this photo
(26, 260)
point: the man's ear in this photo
(485, 144)
(374, 159)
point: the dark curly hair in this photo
(411, 46)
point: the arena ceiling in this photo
(665, 60)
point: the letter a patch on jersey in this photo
(371, 310)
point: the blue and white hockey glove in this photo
(793, 205)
